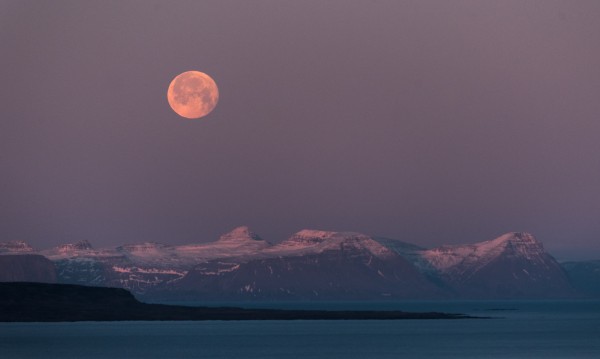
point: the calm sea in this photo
(523, 330)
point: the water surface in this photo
(527, 330)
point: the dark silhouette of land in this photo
(43, 302)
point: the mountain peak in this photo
(310, 237)
(240, 234)
(314, 234)
(520, 243)
(515, 244)
(328, 240)
(15, 247)
(319, 236)
(524, 237)
(81, 245)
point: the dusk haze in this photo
(215, 169)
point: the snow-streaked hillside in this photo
(311, 264)
(513, 265)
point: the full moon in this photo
(193, 94)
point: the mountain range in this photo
(310, 265)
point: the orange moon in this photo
(193, 94)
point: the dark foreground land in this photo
(41, 302)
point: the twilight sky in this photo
(428, 121)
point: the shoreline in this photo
(42, 302)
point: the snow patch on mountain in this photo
(224, 267)
(148, 270)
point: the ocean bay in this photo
(527, 329)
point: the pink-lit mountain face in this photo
(314, 265)
(310, 265)
(511, 266)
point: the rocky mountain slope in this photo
(26, 268)
(310, 265)
(514, 265)
(315, 265)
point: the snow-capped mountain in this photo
(15, 247)
(472, 257)
(313, 242)
(142, 266)
(510, 266)
(309, 265)
(313, 264)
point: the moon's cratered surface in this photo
(193, 94)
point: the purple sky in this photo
(428, 121)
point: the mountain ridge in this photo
(313, 264)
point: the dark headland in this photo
(42, 302)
